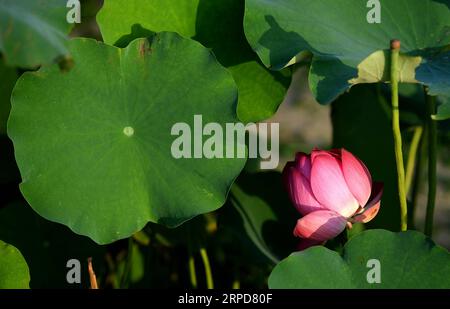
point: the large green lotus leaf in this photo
(93, 145)
(8, 77)
(33, 32)
(407, 260)
(47, 247)
(347, 48)
(215, 24)
(365, 130)
(13, 268)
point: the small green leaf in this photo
(93, 145)
(406, 260)
(14, 272)
(33, 32)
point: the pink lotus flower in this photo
(331, 189)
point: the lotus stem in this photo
(395, 53)
(416, 182)
(208, 274)
(411, 164)
(192, 272)
(432, 163)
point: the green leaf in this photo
(364, 128)
(8, 77)
(347, 48)
(443, 110)
(13, 268)
(47, 247)
(215, 24)
(407, 260)
(118, 18)
(93, 145)
(33, 32)
(264, 215)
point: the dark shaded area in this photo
(47, 247)
(220, 27)
(411, 103)
(368, 135)
(282, 45)
(137, 31)
(9, 173)
(165, 260)
(275, 233)
(333, 77)
(446, 2)
(88, 27)
(434, 71)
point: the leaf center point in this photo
(128, 131)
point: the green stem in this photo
(412, 157)
(192, 272)
(432, 161)
(416, 182)
(208, 274)
(395, 51)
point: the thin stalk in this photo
(416, 181)
(208, 274)
(395, 52)
(432, 162)
(192, 272)
(92, 277)
(412, 155)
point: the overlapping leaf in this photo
(347, 48)
(217, 25)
